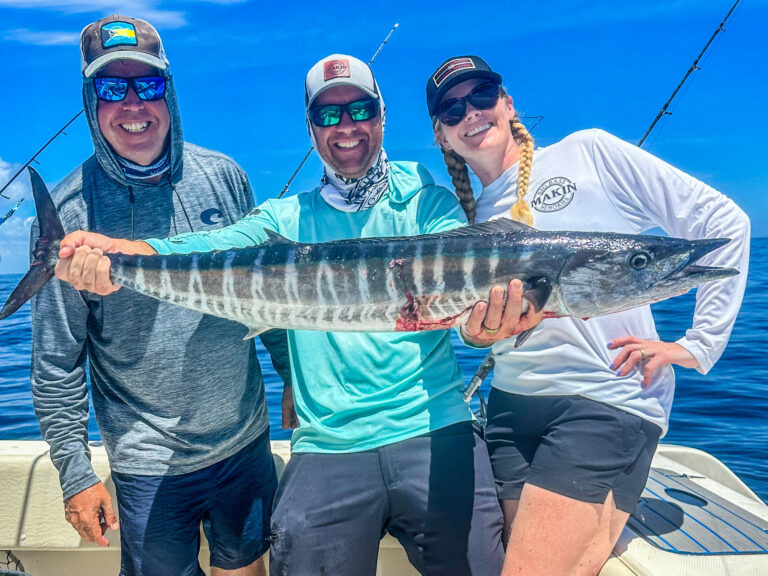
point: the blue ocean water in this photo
(723, 413)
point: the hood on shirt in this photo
(107, 157)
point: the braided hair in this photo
(457, 168)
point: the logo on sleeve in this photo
(211, 216)
(118, 34)
(555, 194)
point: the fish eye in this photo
(639, 260)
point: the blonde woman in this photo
(576, 412)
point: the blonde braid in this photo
(520, 211)
(457, 168)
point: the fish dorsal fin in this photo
(275, 238)
(492, 227)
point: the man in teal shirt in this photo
(385, 442)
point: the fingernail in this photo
(610, 343)
(612, 367)
(618, 372)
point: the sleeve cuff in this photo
(158, 246)
(75, 474)
(697, 352)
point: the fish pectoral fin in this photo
(254, 331)
(523, 336)
(275, 238)
(537, 291)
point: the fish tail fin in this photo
(46, 251)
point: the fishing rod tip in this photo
(396, 25)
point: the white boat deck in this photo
(696, 518)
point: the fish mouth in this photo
(690, 274)
(694, 274)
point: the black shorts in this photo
(434, 493)
(570, 445)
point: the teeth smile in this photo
(135, 127)
(479, 129)
(348, 143)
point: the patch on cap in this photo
(118, 34)
(451, 67)
(336, 69)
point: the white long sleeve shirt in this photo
(593, 181)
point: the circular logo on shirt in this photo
(555, 194)
(211, 216)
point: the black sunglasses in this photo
(330, 114)
(483, 97)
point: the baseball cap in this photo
(453, 71)
(339, 70)
(119, 37)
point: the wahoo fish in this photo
(404, 284)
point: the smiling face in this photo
(136, 129)
(349, 148)
(483, 137)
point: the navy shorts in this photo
(570, 445)
(434, 493)
(160, 516)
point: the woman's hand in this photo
(496, 320)
(648, 356)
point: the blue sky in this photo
(239, 68)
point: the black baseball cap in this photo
(119, 37)
(453, 71)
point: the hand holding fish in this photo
(496, 320)
(82, 262)
(648, 356)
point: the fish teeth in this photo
(478, 129)
(135, 127)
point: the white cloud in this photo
(146, 9)
(40, 38)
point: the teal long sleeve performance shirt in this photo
(356, 391)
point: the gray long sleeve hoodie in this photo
(173, 390)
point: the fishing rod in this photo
(311, 148)
(36, 154)
(694, 66)
(488, 362)
(11, 212)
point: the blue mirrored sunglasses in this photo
(114, 89)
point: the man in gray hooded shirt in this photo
(178, 395)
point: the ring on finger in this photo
(643, 357)
(488, 330)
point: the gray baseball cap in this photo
(339, 70)
(119, 37)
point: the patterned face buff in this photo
(135, 171)
(355, 194)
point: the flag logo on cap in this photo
(451, 67)
(118, 34)
(336, 69)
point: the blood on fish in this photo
(412, 320)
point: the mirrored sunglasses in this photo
(330, 114)
(114, 89)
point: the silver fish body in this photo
(423, 282)
(412, 283)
